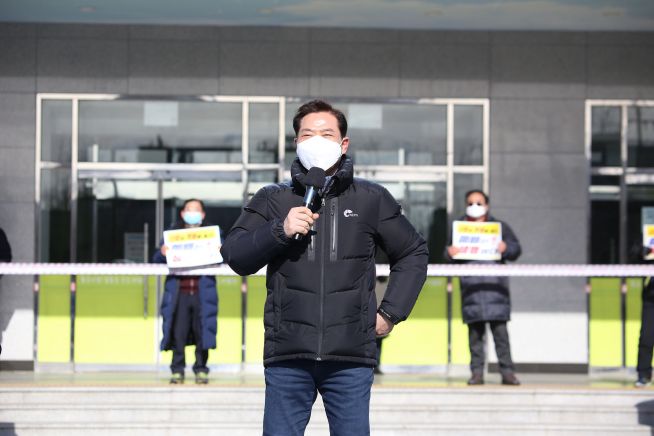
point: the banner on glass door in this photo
(196, 246)
(477, 240)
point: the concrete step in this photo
(499, 396)
(236, 411)
(446, 414)
(165, 429)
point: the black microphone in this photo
(313, 181)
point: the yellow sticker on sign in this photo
(194, 234)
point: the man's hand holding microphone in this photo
(299, 220)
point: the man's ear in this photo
(345, 145)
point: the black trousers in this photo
(476, 339)
(646, 341)
(187, 318)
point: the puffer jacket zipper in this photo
(322, 293)
(334, 229)
(311, 255)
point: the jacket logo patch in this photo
(347, 213)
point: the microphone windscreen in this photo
(315, 177)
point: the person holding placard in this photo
(189, 306)
(479, 238)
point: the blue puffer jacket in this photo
(487, 298)
(208, 306)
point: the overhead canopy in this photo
(567, 15)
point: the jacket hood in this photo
(341, 180)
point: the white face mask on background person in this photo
(476, 210)
(192, 218)
(318, 152)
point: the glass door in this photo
(619, 140)
(116, 223)
(116, 220)
(122, 219)
(223, 202)
(112, 174)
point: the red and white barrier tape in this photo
(434, 270)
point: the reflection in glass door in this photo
(425, 206)
(123, 220)
(132, 131)
(116, 220)
(222, 200)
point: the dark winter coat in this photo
(5, 248)
(648, 290)
(488, 298)
(320, 301)
(208, 307)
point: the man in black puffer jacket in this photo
(487, 299)
(320, 314)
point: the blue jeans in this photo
(292, 387)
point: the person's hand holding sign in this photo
(452, 251)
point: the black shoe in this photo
(202, 378)
(510, 379)
(476, 379)
(642, 382)
(177, 378)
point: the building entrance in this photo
(122, 220)
(112, 172)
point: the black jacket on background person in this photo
(5, 254)
(488, 298)
(5, 248)
(320, 301)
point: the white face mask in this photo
(476, 210)
(318, 152)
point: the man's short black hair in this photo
(314, 106)
(477, 191)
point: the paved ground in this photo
(616, 379)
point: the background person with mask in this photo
(189, 307)
(487, 299)
(321, 315)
